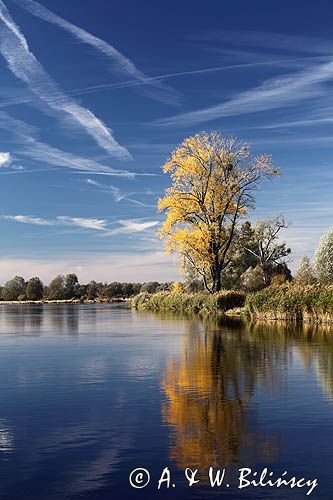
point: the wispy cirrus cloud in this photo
(24, 65)
(115, 192)
(145, 85)
(265, 61)
(27, 219)
(28, 146)
(60, 220)
(127, 226)
(40, 151)
(269, 40)
(85, 223)
(277, 92)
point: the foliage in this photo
(57, 290)
(324, 258)
(34, 289)
(240, 259)
(68, 288)
(292, 302)
(14, 288)
(266, 247)
(177, 287)
(150, 287)
(305, 274)
(253, 279)
(213, 179)
(203, 302)
(70, 283)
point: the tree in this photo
(241, 260)
(266, 247)
(305, 273)
(71, 283)
(127, 289)
(14, 288)
(57, 290)
(149, 287)
(92, 290)
(34, 290)
(253, 279)
(324, 258)
(213, 180)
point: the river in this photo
(88, 393)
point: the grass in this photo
(292, 302)
(203, 303)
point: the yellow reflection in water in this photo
(208, 394)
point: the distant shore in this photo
(65, 301)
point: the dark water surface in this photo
(90, 392)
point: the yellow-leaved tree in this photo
(213, 180)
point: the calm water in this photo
(88, 393)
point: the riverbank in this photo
(202, 303)
(287, 302)
(290, 302)
(64, 301)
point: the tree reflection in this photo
(208, 396)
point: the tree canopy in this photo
(213, 181)
(324, 258)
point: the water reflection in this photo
(6, 439)
(208, 394)
(35, 319)
(84, 413)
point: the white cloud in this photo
(5, 159)
(125, 226)
(129, 226)
(24, 65)
(115, 192)
(27, 219)
(86, 223)
(274, 93)
(40, 151)
(123, 65)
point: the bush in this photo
(201, 302)
(292, 302)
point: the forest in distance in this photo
(67, 287)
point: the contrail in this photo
(24, 65)
(121, 63)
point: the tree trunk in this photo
(267, 274)
(217, 284)
(216, 275)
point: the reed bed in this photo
(292, 303)
(203, 303)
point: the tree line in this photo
(67, 287)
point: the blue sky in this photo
(95, 94)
